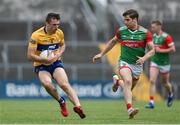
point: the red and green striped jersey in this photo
(163, 41)
(133, 43)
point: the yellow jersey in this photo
(43, 41)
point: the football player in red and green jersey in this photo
(134, 39)
(160, 62)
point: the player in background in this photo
(134, 39)
(160, 62)
(50, 37)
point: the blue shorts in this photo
(49, 68)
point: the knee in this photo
(65, 86)
(152, 81)
(47, 85)
(165, 83)
(128, 82)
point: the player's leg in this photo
(62, 80)
(46, 80)
(168, 86)
(166, 83)
(116, 83)
(154, 71)
(165, 73)
(134, 83)
(126, 75)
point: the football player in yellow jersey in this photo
(51, 38)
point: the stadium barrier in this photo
(33, 90)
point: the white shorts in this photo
(135, 69)
(162, 69)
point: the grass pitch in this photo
(97, 111)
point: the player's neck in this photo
(136, 27)
(47, 31)
(159, 32)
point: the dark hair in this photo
(157, 22)
(52, 15)
(132, 13)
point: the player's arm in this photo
(33, 57)
(61, 50)
(171, 47)
(109, 45)
(149, 54)
(31, 51)
(151, 50)
(62, 45)
(31, 54)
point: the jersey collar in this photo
(133, 31)
(45, 30)
(160, 34)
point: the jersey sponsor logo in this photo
(52, 47)
(133, 44)
(132, 37)
(41, 47)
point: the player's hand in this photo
(50, 59)
(96, 57)
(140, 60)
(157, 49)
(53, 58)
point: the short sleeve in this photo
(118, 34)
(61, 37)
(169, 40)
(148, 37)
(33, 41)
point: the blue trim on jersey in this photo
(49, 68)
(41, 47)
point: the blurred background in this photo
(86, 24)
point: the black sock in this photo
(61, 100)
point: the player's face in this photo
(129, 22)
(155, 28)
(53, 25)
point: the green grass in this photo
(97, 111)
